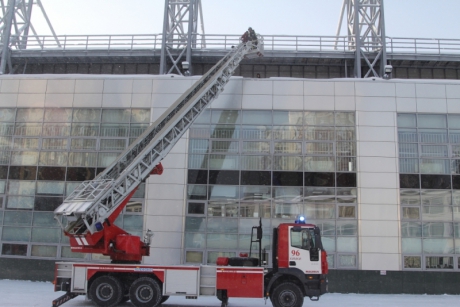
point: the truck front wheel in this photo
(287, 294)
(145, 292)
(106, 291)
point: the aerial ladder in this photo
(88, 214)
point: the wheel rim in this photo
(104, 292)
(144, 294)
(287, 298)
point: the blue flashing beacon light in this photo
(300, 219)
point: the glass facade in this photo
(44, 154)
(429, 163)
(275, 165)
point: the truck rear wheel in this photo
(145, 292)
(106, 291)
(287, 294)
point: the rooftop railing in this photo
(214, 42)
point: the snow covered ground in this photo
(14, 293)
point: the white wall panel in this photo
(28, 86)
(379, 228)
(118, 86)
(378, 196)
(9, 86)
(378, 212)
(142, 86)
(431, 105)
(163, 100)
(344, 88)
(383, 119)
(174, 85)
(257, 87)
(375, 89)
(378, 164)
(234, 86)
(345, 103)
(59, 100)
(319, 88)
(453, 105)
(258, 102)
(60, 86)
(87, 101)
(162, 207)
(377, 149)
(167, 191)
(288, 102)
(379, 180)
(385, 104)
(405, 90)
(320, 103)
(288, 88)
(406, 104)
(165, 223)
(141, 100)
(31, 100)
(8, 100)
(376, 134)
(116, 100)
(383, 244)
(163, 256)
(453, 90)
(380, 261)
(89, 86)
(426, 90)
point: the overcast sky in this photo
(403, 18)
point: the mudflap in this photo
(64, 298)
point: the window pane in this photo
(193, 257)
(434, 166)
(7, 115)
(256, 132)
(140, 115)
(116, 116)
(347, 212)
(56, 129)
(319, 118)
(17, 218)
(439, 262)
(195, 224)
(43, 251)
(135, 130)
(287, 163)
(433, 136)
(6, 129)
(6, 143)
(319, 148)
(28, 129)
(407, 120)
(114, 130)
(454, 136)
(228, 208)
(432, 121)
(113, 144)
(29, 115)
(198, 146)
(16, 234)
(437, 213)
(411, 229)
(197, 192)
(197, 161)
(411, 245)
(344, 119)
(66, 252)
(223, 162)
(48, 235)
(257, 117)
(222, 241)
(24, 158)
(82, 144)
(319, 164)
(412, 262)
(320, 133)
(434, 151)
(212, 256)
(50, 187)
(286, 210)
(435, 229)
(54, 144)
(195, 240)
(287, 133)
(347, 228)
(407, 150)
(347, 244)
(104, 159)
(406, 135)
(86, 115)
(45, 219)
(53, 158)
(287, 117)
(200, 131)
(25, 143)
(14, 249)
(19, 202)
(256, 147)
(256, 163)
(436, 197)
(223, 225)
(288, 148)
(21, 187)
(225, 117)
(438, 246)
(408, 166)
(347, 261)
(85, 158)
(85, 129)
(224, 132)
(255, 209)
(196, 208)
(411, 213)
(316, 211)
(224, 146)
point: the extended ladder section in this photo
(93, 202)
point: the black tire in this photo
(125, 299)
(106, 291)
(164, 299)
(145, 292)
(287, 294)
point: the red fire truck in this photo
(299, 262)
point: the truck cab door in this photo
(303, 254)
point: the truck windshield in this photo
(302, 239)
